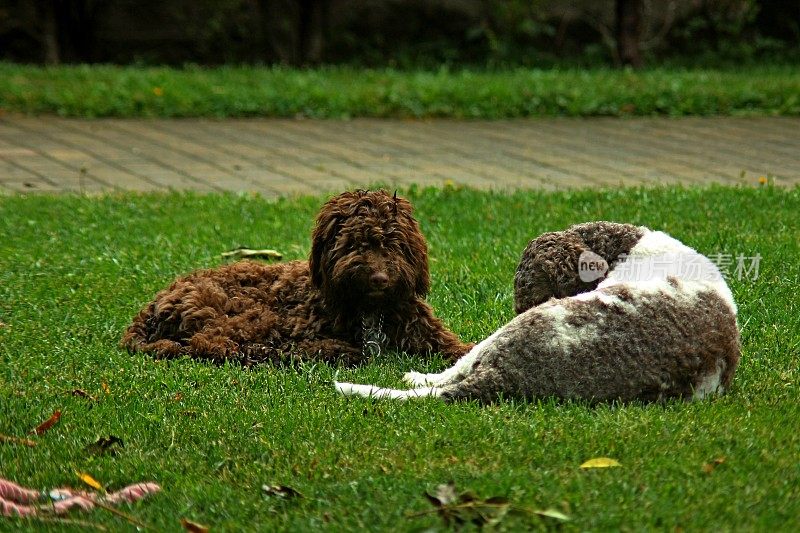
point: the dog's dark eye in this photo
(373, 240)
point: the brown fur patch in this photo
(549, 264)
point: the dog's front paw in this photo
(417, 379)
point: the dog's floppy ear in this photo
(322, 239)
(417, 248)
(423, 282)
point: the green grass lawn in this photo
(74, 270)
(101, 91)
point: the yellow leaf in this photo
(600, 462)
(106, 388)
(89, 480)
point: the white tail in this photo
(371, 391)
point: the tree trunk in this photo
(52, 52)
(312, 29)
(629, 14)
(277, 42)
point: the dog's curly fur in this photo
(549, 264)
(368, 260)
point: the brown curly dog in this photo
(362, 292)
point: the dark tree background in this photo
(628, 31)
(403, 33)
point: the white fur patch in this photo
(658, 257)
(371, 391)
(420, 379)
(710, 385)
(563, 335)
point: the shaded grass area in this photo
(74, 270)
(108, 91)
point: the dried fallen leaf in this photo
(247, 253)
(446, 502)
(47, 424)
(281, 491)
(7, 439)
(458, 509)
(709, 467)
(89, 480)
(80, 393)
(105, 445)
(106, 388)
(601, 462)
(177, 397)
(444, 494)
(194, 527)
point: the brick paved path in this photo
(276, 157)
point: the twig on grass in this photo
(67, 521)
(133, 520)
(17, 440)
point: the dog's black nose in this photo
(379, 280)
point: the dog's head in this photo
(367, 250)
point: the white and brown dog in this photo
(606, 312)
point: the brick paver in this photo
(277, 157)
